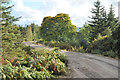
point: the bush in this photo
(78, 49)
(110, 54)
(103, 45)
(61, 45)
(14, 50)
(97, 51)
(42, 64)
(20, 72)
(28, 49)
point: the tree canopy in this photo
(52, 28)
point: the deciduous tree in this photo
(52, 28)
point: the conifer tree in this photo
(22, 31)
(34, 35)
(112, 21)
(33, 26)
(7, 19)
(29, 35)
(98, 21)
(10, 32)
(116, 37)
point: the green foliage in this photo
(61, 56)
(62, 45)
(22, 31)
(79, 40)
(29, 35)
(112, 21)
(35, 31)
(10, 32)
(105, 29)
(53, 28)
(110, 53)
(79, 49)
(103, 45)
(96, 44)
(100, 36)
(14, 50)
(7, 19)
(107, 32)
(99, 17)
(20, 61)
(41, 64)
(116, 37)
(19, 72)
(97, 51)
(86, 32)
(28, 49)
(30, 32)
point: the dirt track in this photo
(84, 65)
(91, 66)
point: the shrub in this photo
(61, 45)
(110, 54)
(15, 72)
(97, 51)
(78, 49)
(103, 45)
(42, 64)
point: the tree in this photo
(29, 35)
(6, 14)
(35, 31)
(22, 31)
(107, 32)
(53, 28)
(116, 38)
(98, 21)
(10, 31)
(112, 21)
(86, 32)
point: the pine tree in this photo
(29, 35)
(116, 38)
(98, 21)
(34, 32)
(112, 21)
(10, 32)
(22, 31)
(7, 19)
(34, 35)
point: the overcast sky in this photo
(78, 10)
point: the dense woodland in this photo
(100, 36)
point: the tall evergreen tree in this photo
(116, 37)
(112, 21)
(29, 34)
(22, 31)
(34, 30)
(34, 35)
(7, 19)
(10, 32)
(98, 19)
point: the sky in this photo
(78, 10)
